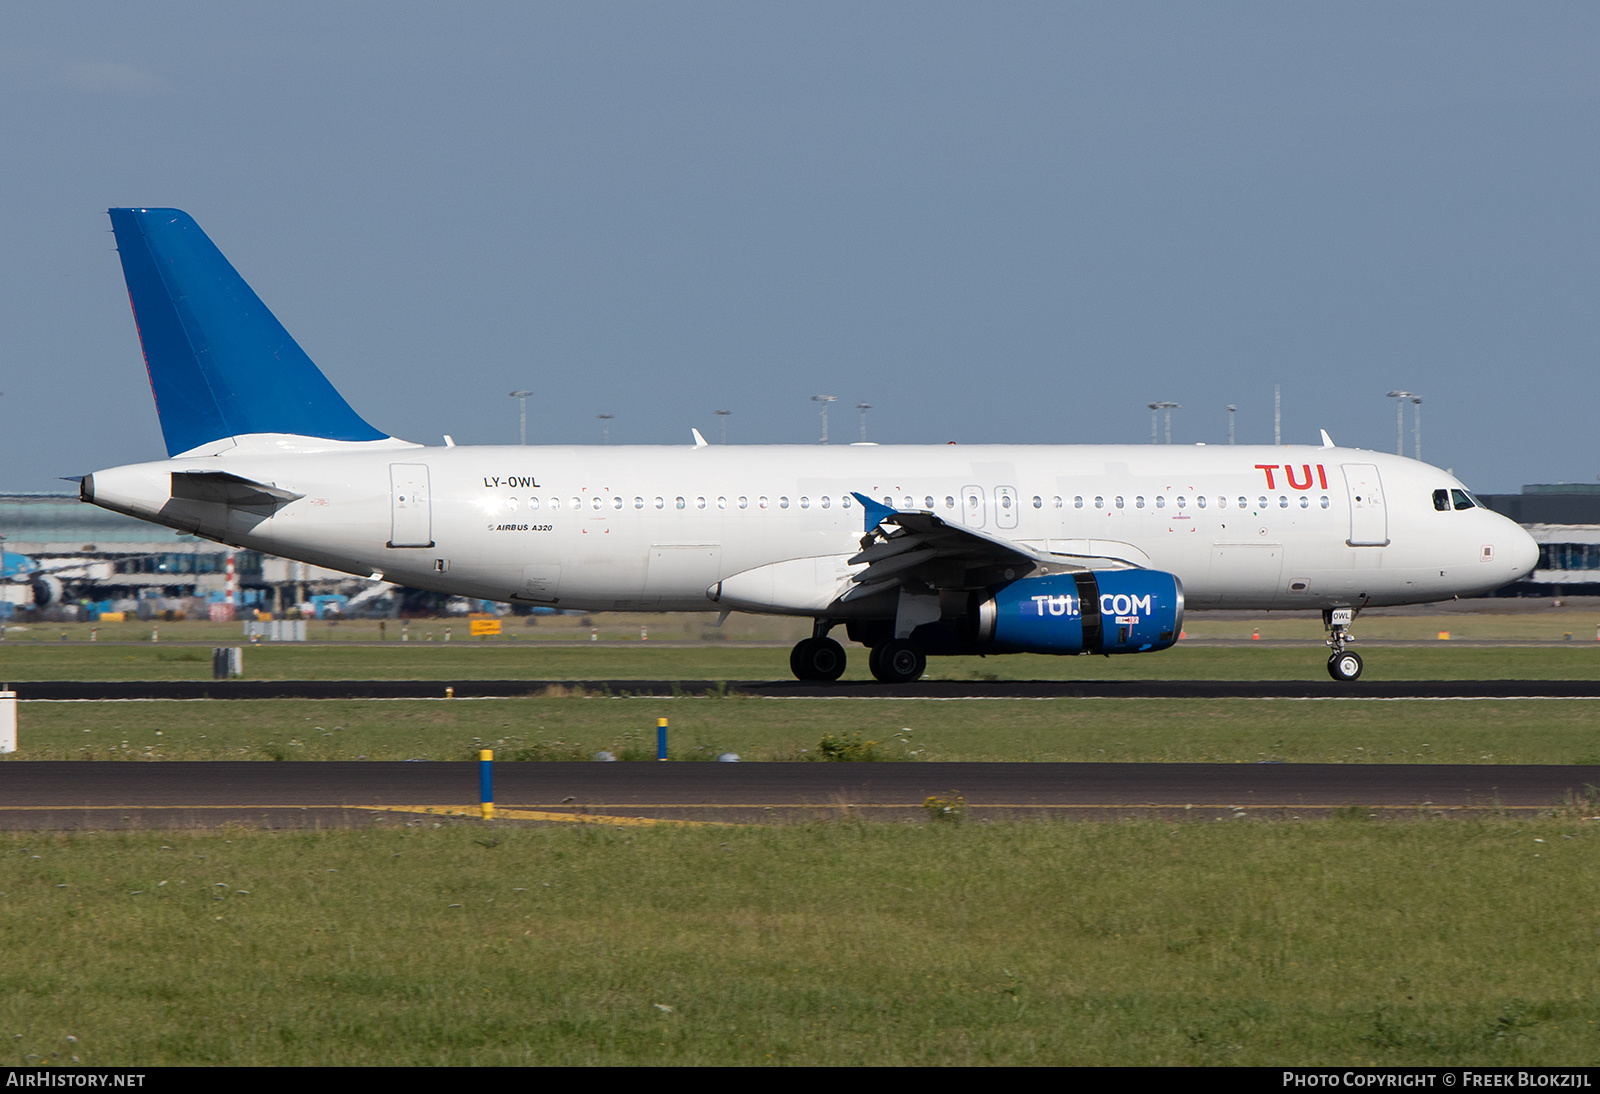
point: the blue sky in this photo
(992, 222)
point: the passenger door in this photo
(411, 509)
(1369, 519)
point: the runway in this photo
(89, 795)
(854, 689)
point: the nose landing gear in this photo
(1342, 665)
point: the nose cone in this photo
(1522, 553)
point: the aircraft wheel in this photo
(798, 656)
(1345, 666)
(873, 658)
(817, 659)
(899, 662)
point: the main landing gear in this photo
(898, 661)
(1342, 665)
(818, 657)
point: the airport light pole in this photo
(723, 416)
(522, 397)
(1400, 398)
(1167, 408)
(863, 407)
(605, 427)
(1231, 409)
(824, 400)
(1416, 423)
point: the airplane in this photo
(916, 550)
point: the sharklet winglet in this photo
(874, 513)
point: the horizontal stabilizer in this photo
(220, 364)
(221, 488)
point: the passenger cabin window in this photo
(1441, 500)
(1077, 502)
(949, 501)
(1462, 499)
(1099, 503)
(681, 503)
(1038, 502)
(1161, 501)
(1139, 502)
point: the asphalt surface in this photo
(82, 795)
(922, 689)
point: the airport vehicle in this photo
(915, 550)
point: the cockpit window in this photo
(1441, 500)
(1462, 500)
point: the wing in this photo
(904, 547)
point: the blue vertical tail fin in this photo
(220, 364)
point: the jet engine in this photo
(1130, 611)
(46, 590)
(1104, 611)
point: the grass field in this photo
(1338, 942)
(574, 728)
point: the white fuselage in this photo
(657, 528)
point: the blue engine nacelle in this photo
(1129, 611)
